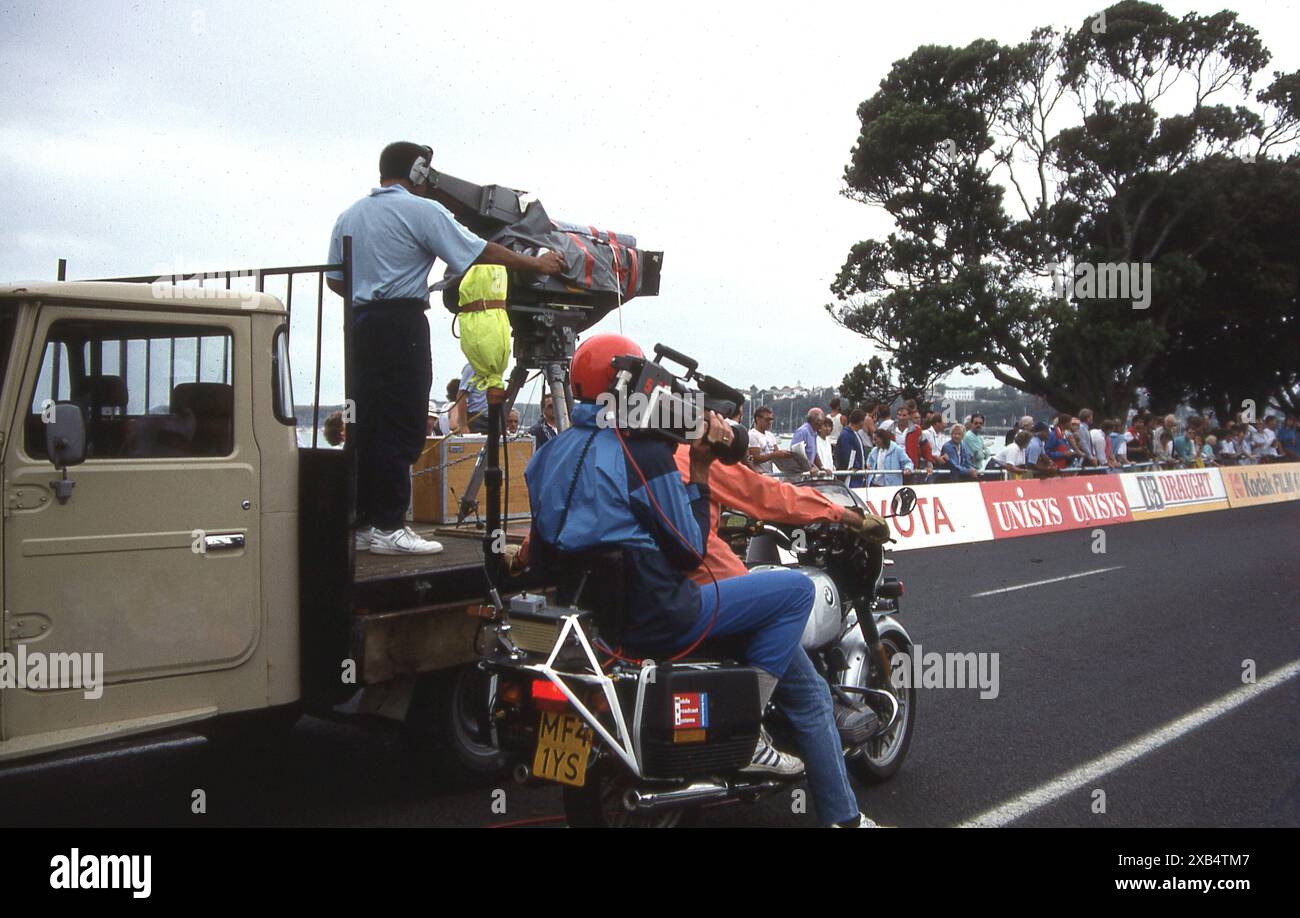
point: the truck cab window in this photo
(146, 390)
(282, 378)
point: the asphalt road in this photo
(1090, 671)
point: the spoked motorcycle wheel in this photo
(882, 756)
(598, 804)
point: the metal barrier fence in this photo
(944, 476)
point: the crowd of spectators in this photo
(912, 444)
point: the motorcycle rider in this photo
(802, 694)
(593, 487)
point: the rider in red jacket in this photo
(739, 487)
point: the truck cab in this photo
(198, 550)
(174, 553)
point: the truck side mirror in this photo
(65, 436)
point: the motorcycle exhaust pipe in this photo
(695, 793)
(639, 801)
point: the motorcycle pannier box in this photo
(698, 720)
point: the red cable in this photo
(517, 823)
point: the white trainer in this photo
(402, 542)
(772, 761)
(864, 822)
(361, 539)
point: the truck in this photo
(160, 517)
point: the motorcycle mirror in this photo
(904, 502)
(732, 520)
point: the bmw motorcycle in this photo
(635, 742)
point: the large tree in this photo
(1233, 337)
(1001, 165)
(874, 381)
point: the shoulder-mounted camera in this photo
(647, 399)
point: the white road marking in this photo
(1025, 586)
(1086, 774)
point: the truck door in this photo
(8, 323)
(152, 561)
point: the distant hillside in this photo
(528, 413)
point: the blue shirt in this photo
(958, 457)
(1058, 447)
(806, 438)
(850, 455)
(396, 236)
(893, 458)
(475, 398)
(1289, 439)
(1035, 449)
(1085, 440)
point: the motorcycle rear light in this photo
(511, 693)
(546, 690)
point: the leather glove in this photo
(868, 527)
(510, 560)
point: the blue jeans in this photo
(804, 698)
(766, 611)
(772, 607)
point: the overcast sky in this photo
(154, 137)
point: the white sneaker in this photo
(402, 542)
(772, 761)
(361, 538)
(863, 823)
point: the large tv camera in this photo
(605, 268)
(649, 400)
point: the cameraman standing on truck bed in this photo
(397, 233)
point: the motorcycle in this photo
(646, 743)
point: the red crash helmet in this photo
(591, 372)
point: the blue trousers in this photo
(766, 611)
(770, 609)
(804, 698)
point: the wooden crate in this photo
(435, 495)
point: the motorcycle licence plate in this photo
(563, 747)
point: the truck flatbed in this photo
(462, 549)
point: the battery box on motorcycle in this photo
(535, 625)
(697, 719)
